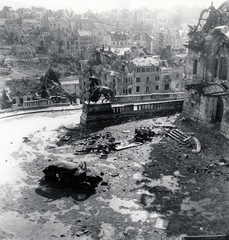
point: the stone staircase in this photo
(180, 137)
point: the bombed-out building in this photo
(207, 69)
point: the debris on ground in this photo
(143, 134)
(177, 174)
(100, 143)
(115, 174)
(26, 139)
(71, 174)
(125, 146)
(103, 156)
(126, 131)
(161, 223)
(66, 138)
(209, 237)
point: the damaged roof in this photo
(223, 29)
(14, 21)
(146, 62)
(115, 36)
(212, 89)
(22, 87)
(83, 33)
(215, 90)
(120, 51)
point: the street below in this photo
(158, 190)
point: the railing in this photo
(148, 97)
(147, 108)
(37, 103)
(42, 103)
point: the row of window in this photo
(138, 79)
(21, 100)
(151, 69)
(119, 43)
(148, 88)
(157, 78)
(219, 69)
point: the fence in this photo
(148, 97)
(41, 103)
(147, 109)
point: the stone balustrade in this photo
(148, 97)
(174, 105)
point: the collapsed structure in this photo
(36, 93)
(206, 73)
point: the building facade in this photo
(13, 25)
(144, 40)
(7, 13)
(207, 68)
(138, 76)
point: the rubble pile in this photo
(100, 143)
(143, 134)
(4, 71)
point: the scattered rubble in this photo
(207, 237)
(100, 143)
(26, 139)
(105, 143)
(143, 134)
(125, 146)
(161, 223)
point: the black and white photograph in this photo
(114, 120)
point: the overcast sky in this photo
(81, 6)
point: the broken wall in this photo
(224, 128)
(198, 107)
(192, 78)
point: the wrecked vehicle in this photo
(71, 174)
(143, 134)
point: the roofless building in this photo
(207, 74)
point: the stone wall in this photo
(224, 128)
(198, 107)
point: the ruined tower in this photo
(207, 73)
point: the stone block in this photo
(95, 114)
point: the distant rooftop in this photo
(115, 36)
(144, 62)
(120, 51)
(84, 33)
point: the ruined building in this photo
(207, 75)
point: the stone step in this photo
(180, 135)
(173, 136)
(177, 134)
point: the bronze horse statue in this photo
(95, 95)
(107, 92)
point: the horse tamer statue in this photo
(95, 91)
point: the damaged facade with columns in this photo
(207, 69)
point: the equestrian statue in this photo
(95, 91)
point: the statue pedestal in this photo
(96, 114)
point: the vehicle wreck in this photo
(71, 174)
